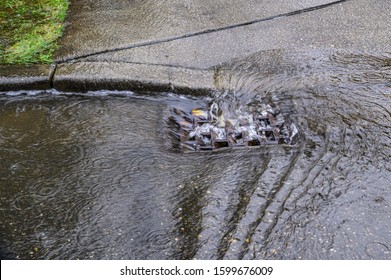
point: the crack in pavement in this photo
(52, 74)
(194, 34)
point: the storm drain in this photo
(203, 129)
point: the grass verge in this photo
(29, 30)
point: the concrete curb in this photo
(33, 77)
(93, 76)
(86, 76)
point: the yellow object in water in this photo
(199, 113)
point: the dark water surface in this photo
(95, 177)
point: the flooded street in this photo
(95, 176)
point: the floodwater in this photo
(95, 176)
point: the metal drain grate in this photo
(200, 129)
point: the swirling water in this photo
(94, 177)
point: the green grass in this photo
(29, 30)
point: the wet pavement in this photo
(95, 175)
(205, 33)
(100, 26)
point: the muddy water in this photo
(95, 176)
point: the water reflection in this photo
(94, 177)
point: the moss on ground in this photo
(29, 30)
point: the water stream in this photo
(94, 176)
